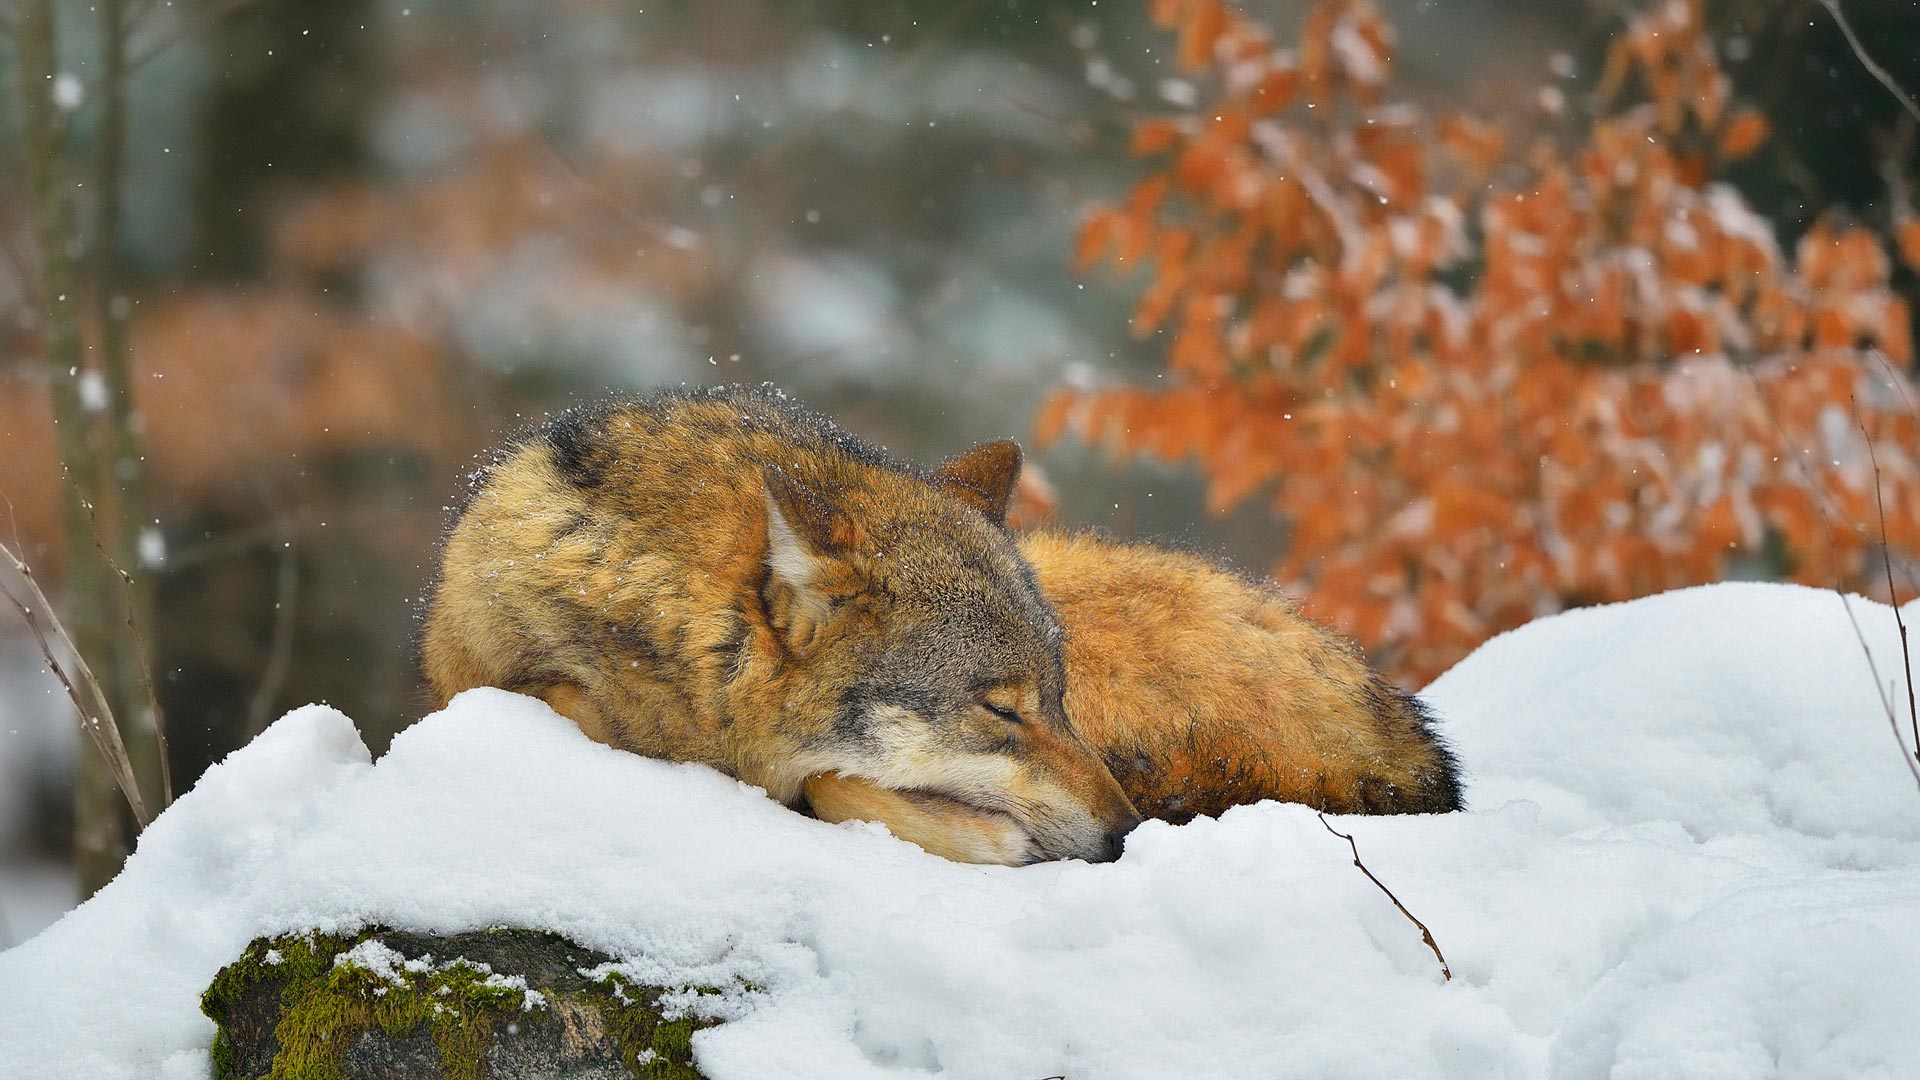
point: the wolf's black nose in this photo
(1116, 840)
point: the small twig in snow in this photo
(1886, 702)
(1425, 934)
(1893, 596)
(1827, 518)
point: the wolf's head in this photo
(909, 626)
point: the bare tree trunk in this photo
(100, 827)
(125, 465)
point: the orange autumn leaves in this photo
(1483, 369)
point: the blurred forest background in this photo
(1445, 313)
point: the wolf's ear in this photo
(807, 539)
(983, 477)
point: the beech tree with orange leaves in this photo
(1483, 370)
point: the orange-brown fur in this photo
(721, 578)
(1205, 690)
(1202, 690)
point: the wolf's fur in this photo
(1205, 690)
(1202, 690)
(723, 578)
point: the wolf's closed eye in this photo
(1008, 715)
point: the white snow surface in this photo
(1692, 851)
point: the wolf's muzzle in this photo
(1114, 839)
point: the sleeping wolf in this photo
(1202, 691)
(722, 577)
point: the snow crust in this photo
(1692, 851)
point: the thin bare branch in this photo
(1873, 67)
(203, 19)
(617, 206)
(280, 652)
(1898, 380)
(1821, 504)
(1886, 701)
(277, 527)
(129, 589)
(1425, 934)
(1823, 501)
(97, 722)
(236, 544)
(1893, 595)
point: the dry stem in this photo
(1893, 599)
(1827, 518)
(1886, 702)
(98, 722)
(145, 663)
(1885, 78)
(1425, 934)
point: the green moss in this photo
(326, 1009)
(289, 963)
(651, 1045)
(298, 958)
(451, 1005)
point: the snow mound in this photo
(1735, 709)
(1692, 852)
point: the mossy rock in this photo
(488, 1005)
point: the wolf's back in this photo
(1204, 690)
(613, 548)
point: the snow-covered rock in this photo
(1692, 851)
(502, 1003)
